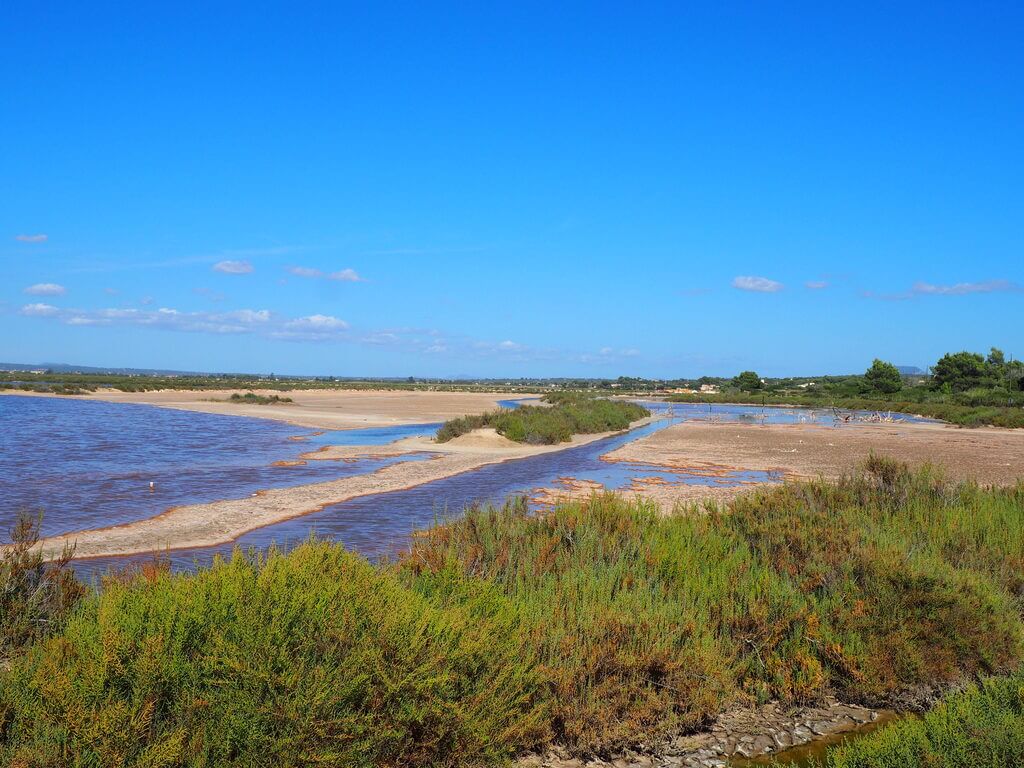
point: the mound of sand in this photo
(484, 439)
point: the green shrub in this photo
(981, 726)
(597, 625)
(306, 659)
(35, 596)
(646, 623)
(568, 414)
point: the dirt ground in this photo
(325, 408)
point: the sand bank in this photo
(317, 408)
(988, 455)
(801, 451)
(220, 522)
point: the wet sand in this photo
(801, 451)
(203, 525)
(988, 455)
(666, 495)
(317, 408)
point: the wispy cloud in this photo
(210, 295)
(319, 328)
(816, 285)
(228, 255)
(40, 310)
(962, 289)
(607, 355)
(317, 323)
(32, 238)
(957, 289)
(46, 289)
(424, 251)
(237, 321)
(233, 267)
(342, 275)
(758, 284)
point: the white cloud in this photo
(238, 321)
(231, 267)
(758, 284)
(958, 289)
(510, 345)
(346, 276)
(816, 285)
(305, 272)
(31, 238)
(46, 289)
(39, 310)
(313, 328)
(381, 337)
(342, 275)
(317, 323)
(247, 315)
(962, 289)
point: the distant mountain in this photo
(910, 370)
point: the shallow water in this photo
(88, 464)
(814, 752)
(380, 524)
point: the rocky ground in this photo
(736, 735)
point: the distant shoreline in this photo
(325, 409)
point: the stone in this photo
(801, 735)
(782, 739)
(821, 727)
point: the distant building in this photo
(709, 389)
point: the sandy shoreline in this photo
(314, 408)
(794, 451)
(221, 522)
(986, 454)
(799, 452)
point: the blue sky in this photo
(588, 189)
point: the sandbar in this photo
(220, 522)
(315, 408)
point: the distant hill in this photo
(910, 370)
(66, 368)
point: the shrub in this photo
(646, 623)
(35, 596)
(597, 625)
(311, 658)
(983, 725)
(569, 414)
